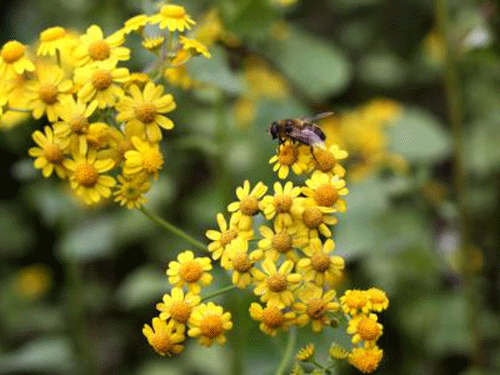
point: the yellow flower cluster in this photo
(106, 122)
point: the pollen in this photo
(86, 175)
(326, 195)
(79, 124)
(173, 11)
(48, 93)
(145, 112)
(312, 217)
(368, 329)
(324, 160)
(52, 33)
(277, 283)
(273, 317)
(12, 51)
(282, 242)
(227, 236)
(249, 206)
(191, 271)
(99, 50)
(320, 262)
(241, 263)
(316, 308)
(288, 155)
(162, 343)
(53, 154)
(282, 203)
(102, 79)
(211, 326)
(180, 311)
(153, 160)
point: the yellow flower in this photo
(248, 204)
(327, 160)
(365, 328)
(282, 241)
(51, 153)
(164, 337)
(145, 158)
(320, 266)
(48, 91)
(172, 17)
(378, 299)
(296, 157)
(153, 44)
(326, 190)
(355, 301)
(193, 44)
(33, 281)
(94, 47)
(85, 175)
(337, 352)
(241, 262)
(135, 23)
(276, 285)
(190, 271)
(314, 306)
(52, 40)
(366, 360)
(314, 219)
(178, 76)
(178, 306)
(143, 112)
(272, 318)
(13, 59)
(305, 353)
(101, 82)
(281, 204)
(209, 322)
(130, 190)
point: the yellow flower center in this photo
(316, 308)
(153, 160)
(162, 342)
(249, 205)
(99, 50)
(211, 326)
(53, 154)
(227, 236)
(102, 79)
(368, 329)
(190, 271)
(86, 175)
(287, 155)
(312, 217)
(282, 242)
(282, 202)
(273, 317)
(324, 160)
(145, 112)
(180, 311)
(52, 33)
(79, 124)
(320, 262)
(277, 283)
(356, 299)
(326, 195)
(241, 263)
(48, 93)
(172, 11)
(12, 51)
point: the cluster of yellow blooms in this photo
(106, 121)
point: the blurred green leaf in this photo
(419, 136)
(143, 286)
(251, 16)
(384, 69)
(16, 236)
(482, 145)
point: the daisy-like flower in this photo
(145, 158)
(86, 178)
(190, 271)
(314, 306)
(130, 190)
(306, 353)
(178, 76)
(248, 203)
(194, 47)
(48, 91)
(172, 17)
(326, 190)
(327, 160)
(153, 44)
(52, 40)
(355, 301)
(282, 241)
(13, 59)
(314, 219)
(365, 328)
(241, 262)
(319, 266)
(276, 285)
(271, 318)
(94, 47)
(135, 23)
(178, 306)
(50, 154)
(143, 112)
(222, 238)
(291, 156)
(208, 323)
(165, 337)
(366, 360)
(378, 299)
(281, 203)
(101, 81)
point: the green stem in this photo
(173, 229)
(287, 356)
(218, 292)
(456, 114)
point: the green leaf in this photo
(319, 68)
(141, 287)
(383, 69)
(16, 237)
(419, 136)
(252, 16)
(482, 147)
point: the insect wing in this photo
(318, 117)
(306, 136)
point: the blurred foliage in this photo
(402, 231)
